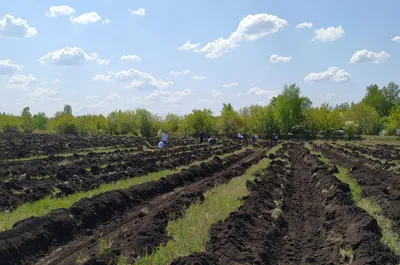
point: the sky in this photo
(176, 56)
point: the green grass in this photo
(48, 204)
(389, 237)
(190, 233)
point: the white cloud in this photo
(188, 46)
(11, 27)
(239, 94)
(167, 97)
(106, 21)
(130, 58)
(216, 93)
(43, 94)
(333, 74)
(92, 97)
(251, 28)
(56, 81)
(198, 77)
(112, 96)
(365, 56)
(279, 59)
(261, 92)
(136, 78)
(328, 34)
(396, 39)
(21, 81)
(139, 12)
(71, 56)
(304, 25)
(184, 72)
(86, 18)
(7, 67)
(57, 11)
(206, 101)
(231, 84)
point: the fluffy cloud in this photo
(333, 74)
(56, 81)
(43, 94)
(231, 84)
(396, 39)
(328, 34)
(136, 78)
(106, 21)
(184, 72)
(188, 46)
(86, 18)
(21, 81)
(11, 27)
(251, 28)
(139, 12)
(167, 97)
(92, 97)
(130, 58)
(112, 96)
(198, 77)
(261, 92)
(71, 56)
(7, 67)
(304, 25)
(365, 56)
(279, 59)
(216, 93)
(57, 11)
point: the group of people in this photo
(212, 141)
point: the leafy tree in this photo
(68, 110)
(144, 122)
(200, 121)
(393, 121)
(171, 123)
(391, 93)
(40, 121)
(27, 121)
(289, 108)
(365, 116)
(230, 121)
(350, 128)
(65, 124)
(376, 98)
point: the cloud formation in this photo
(57, 11)
(250, 28)
(365, 56)
(11, 27)
(21, 81)
(304, 25)
(139, 12)
(280, 59)
(71, 56)
(328, 34)
(7, 67)
(136, 78)
(333, 74)
(86, 18)
(130, 58)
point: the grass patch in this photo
(389, 237)
(48, 204)
(105, 243)
(190, 233)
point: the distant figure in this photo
(275, 138)
(161, 145)
(164, 138)
(211, 140)
(253, 138)
(201, 137)
(240, 137)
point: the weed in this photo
(81, 258)
(105, 243)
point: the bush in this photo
(351, 129)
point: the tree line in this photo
(378, 113)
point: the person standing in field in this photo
(164, 138)
(201, 137)
(240, 137)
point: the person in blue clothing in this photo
(161, 145)
(275, 138)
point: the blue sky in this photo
(242, 51)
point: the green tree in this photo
(27, 120)
(393, 121)
(171, 123)
(40, 121)
(289, 108)
(230, 120)
(200, 121)
(144, 122)
(68, 110)
(376, 98)
(365, 116)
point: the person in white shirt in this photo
(164, 138)
(240, 137)
(161, 145)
